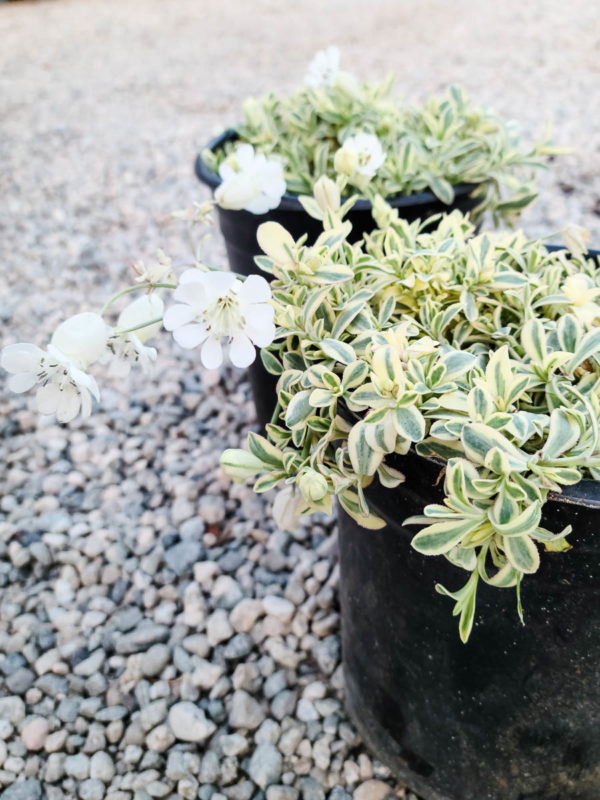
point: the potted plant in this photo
(448, 153)
(451, 382)
(431, 374)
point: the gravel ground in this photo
(158, 636)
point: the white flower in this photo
(324, 68)
(360, 155)
(582, 293)
(65, 389)
(577, 238)
(126, 348)
(287, 509)
(81, 338)
(250, 181)
(157, 273)
(217, 305)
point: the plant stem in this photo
(130, 289)
(139, 327)
(275, 416)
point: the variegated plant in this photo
(327, 127)
(481, 351)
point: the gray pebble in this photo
(30, 789)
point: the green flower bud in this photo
(312, 485)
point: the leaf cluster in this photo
(470, 349)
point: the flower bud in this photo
(81, 338)
(312, 485)
(144, 309)
(286, 509)
(345, 161)
(576, 239)
(327, 194)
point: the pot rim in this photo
(290, 202)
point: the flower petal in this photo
(192, 275)
(261, 334)
(68, 405)
(255, 289)
(82, 337)
(21, 357)
(178, 315)
(211, 354)
(241, 351)
(22, 382)
(190, 336)
(260, 204)
(218, 283)
(47, 398)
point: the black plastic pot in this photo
(512, 715)
(239, 231)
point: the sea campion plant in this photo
(352, 130)
(482, 352)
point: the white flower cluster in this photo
(250, 181)
(217, 305)
(212, 306)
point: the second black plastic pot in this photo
(239, 231)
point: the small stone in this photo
(291, 738)
(153, 714)
(55, 767)
(265, 765)
(182, 557)
(157, 789)
(245, 614)
(77, 766)
(206, 674)
(155, 660)
(55, 741)
(91, 790)
(218, 628)
(34, 732)
(6, 729)
(337, 793)
(204, 571)
(306, 711)
(311, 789)
(141, 638)
(30, 789)
(372, 790)
(91, 664)
(278, 607)
(188, 788)
(281, 792)
(197, 644)
(189, 723)
(239, 646)
(245, 711)
(233, 744)
(211, 768)
(284, 703)
(212, 509)
(20, 681)
(268, 733)
(160, 738)
(102, 767)
(12, 709)
(247, 676)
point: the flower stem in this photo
(130, 289)
(139, 327)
